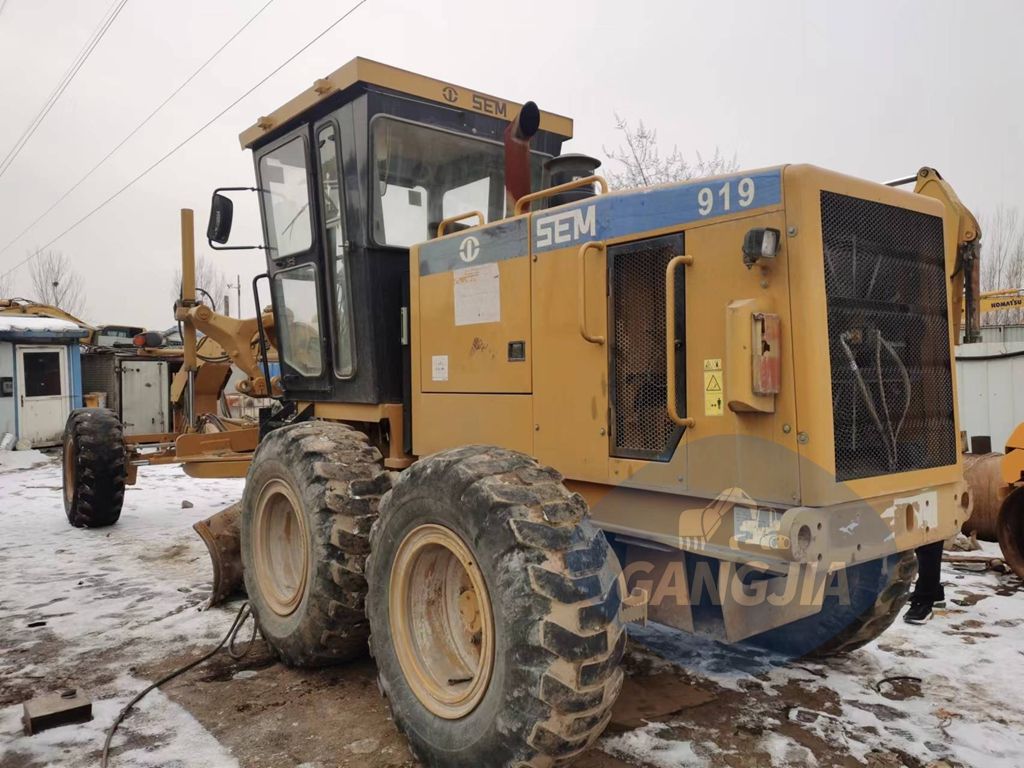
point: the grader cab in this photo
(516, 413)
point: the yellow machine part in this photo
(555, 404)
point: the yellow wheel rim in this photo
(69, 471)
(281, 550)
(442, 626)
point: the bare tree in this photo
(641, 164)
(55, 282)
(209, 278)
(6, 286)
(1002, 261)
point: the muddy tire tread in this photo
(572, 575)
(880, 616)
(100, 467)
(343, 476)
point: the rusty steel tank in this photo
(998, 507)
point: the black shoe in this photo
(918, 613)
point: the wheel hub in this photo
(282, 548)
(441, 621)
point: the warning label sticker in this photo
(713, 386)
(439, 367)
(477, 295)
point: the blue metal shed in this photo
(40, 377)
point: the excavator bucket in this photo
(222, 537)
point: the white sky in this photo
(874, 89)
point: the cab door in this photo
(285, 172)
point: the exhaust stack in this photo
(517, 151)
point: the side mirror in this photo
(222, 211)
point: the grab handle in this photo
(670, 339)
(582, 282)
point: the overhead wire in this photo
(137, 128)
(65, 81)
(188, 139)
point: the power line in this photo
(202, 128)
(65, 81)
(135, 130)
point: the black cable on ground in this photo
(896, 679)
(240, 618)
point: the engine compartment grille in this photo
(640, 424)
(888, 331)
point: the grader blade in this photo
(222, 537)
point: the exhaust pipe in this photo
(223, 539)
(517, 151)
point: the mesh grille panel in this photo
(641, 427)
(99, 375)
(892, 390)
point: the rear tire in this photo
(880, 615)
(539, 686)
(877, 590)
(310, 498)
(95, 466)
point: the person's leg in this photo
(929, 574)
(928, 589)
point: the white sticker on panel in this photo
(477, 295)
(439, 367)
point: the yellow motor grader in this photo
(517, 410)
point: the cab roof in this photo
(369, 72)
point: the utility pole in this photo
(238, 296)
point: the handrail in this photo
(670, 340)
(459, 217)
(525, 200)
(582, 281)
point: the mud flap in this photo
(221, 535)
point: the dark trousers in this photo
(929, 572)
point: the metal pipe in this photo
(998, 509)
(188, 287)
(262, 334)
(901, 181)
(517, 151)
(191, 399)
(982, 473)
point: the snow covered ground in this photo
(109, 600)
(958, 702)
(116, 599)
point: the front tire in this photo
(309, 501)
(95, 463)
(494, 610)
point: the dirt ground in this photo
(109, 611)
(270, 715)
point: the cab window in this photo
(423, 175)
(284, 180)
(298, 321)
(337, 257)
